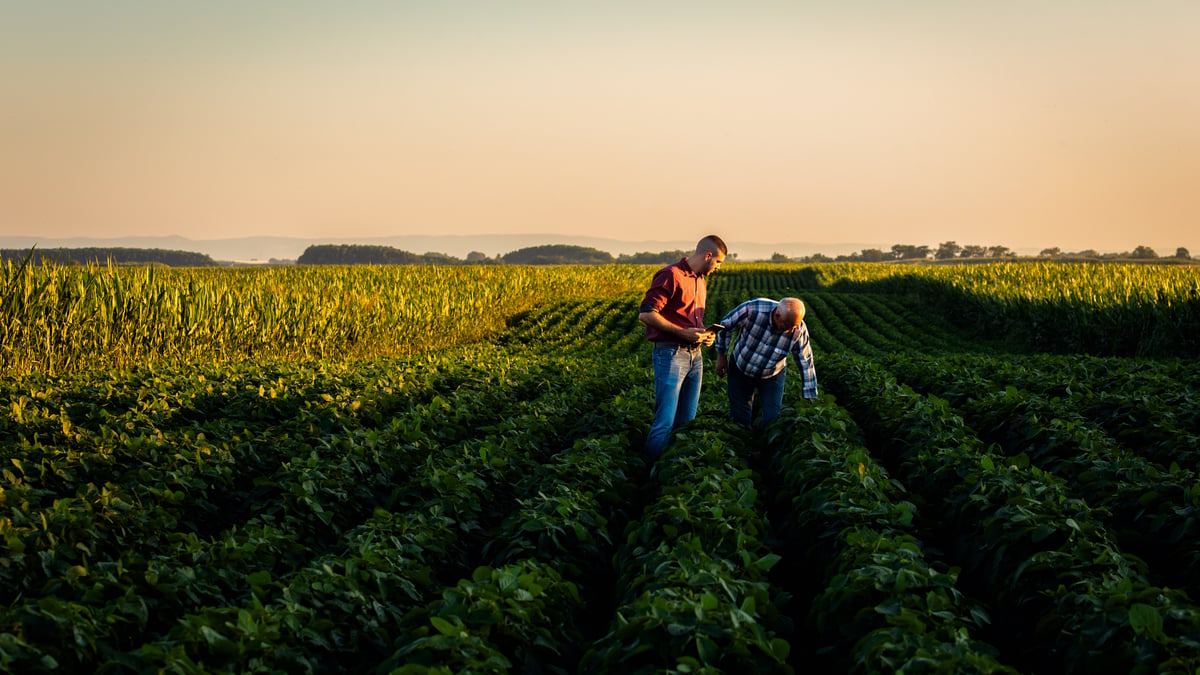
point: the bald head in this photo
(788, 314)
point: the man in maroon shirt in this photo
(673, 311)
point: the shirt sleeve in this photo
(662, 287)
(736, 315)
(802, 350)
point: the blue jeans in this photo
(743, 390)
(677, 375)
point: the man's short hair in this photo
(712, 244)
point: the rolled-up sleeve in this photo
(802, 350)
(662, 287)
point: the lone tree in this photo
(1143, 252)
(1182, 253)
(999, 251)
(1050, 252)
(871, 255)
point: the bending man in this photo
(673, 311)
(767, 331)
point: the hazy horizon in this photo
(1068, 124)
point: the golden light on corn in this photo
(60, 319)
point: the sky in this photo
(1058, 123)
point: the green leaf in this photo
(768, 561)
(1041, 532)
(890, 607)
(509, 582)
(443, 626)
(780, 648)
(261, 578)
(211, 636)
(709, 602)
(748, 605)
(1146, 620)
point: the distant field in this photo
(68, 319)
(438, 470)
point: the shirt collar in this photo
(687, 269)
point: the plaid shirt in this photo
(760, 350)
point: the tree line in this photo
(552, 254)
(101, 256)
(950, 250)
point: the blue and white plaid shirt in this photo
(760, 350)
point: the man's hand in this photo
(688, 336)
(722, 365)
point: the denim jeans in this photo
(677, 375)
(743, 391)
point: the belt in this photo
(677, 345)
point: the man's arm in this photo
(802, 350)
(732, 320)
(722, 365)
(685, 335)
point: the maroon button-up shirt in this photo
(678, 294)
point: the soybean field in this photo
(439, 470)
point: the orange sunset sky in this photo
(1071, 124)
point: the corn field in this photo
(66, 319)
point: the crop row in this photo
(163, 493)
(878, 603)
(324, 491)
(1144, 404)
(1060, 585)
(693, 587)
(1152, 509)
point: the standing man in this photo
(673, 311)
(767, 332)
